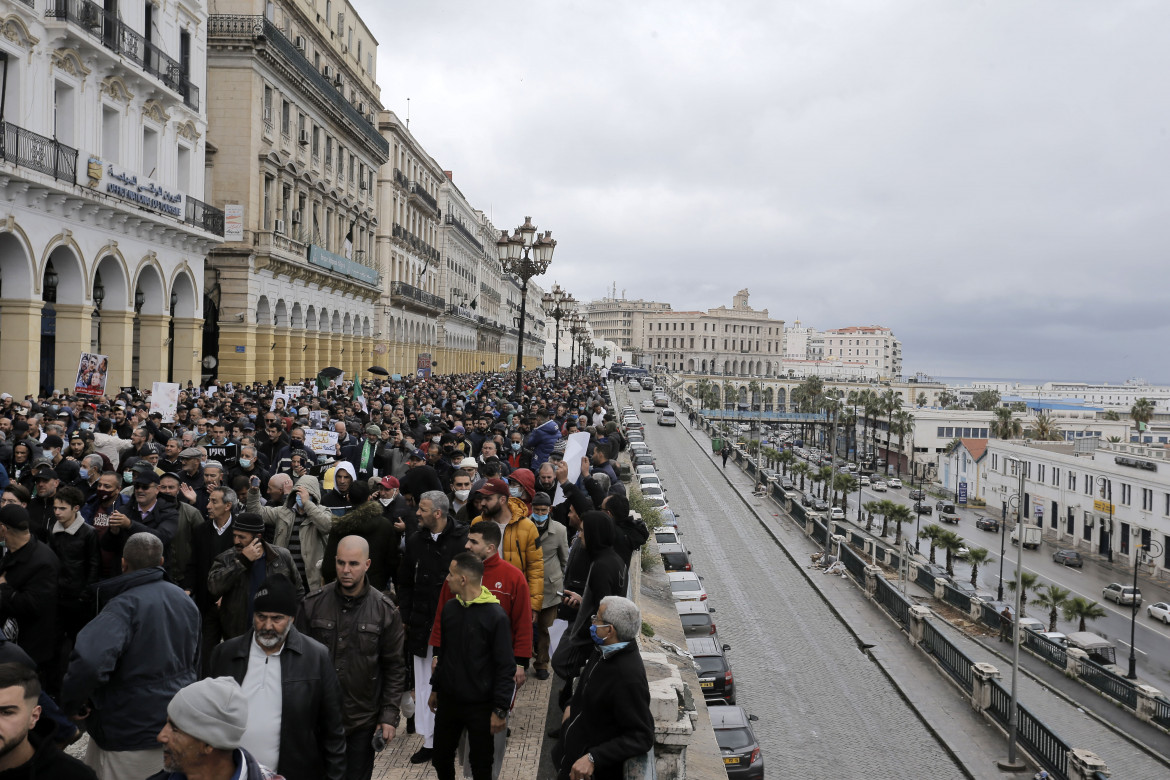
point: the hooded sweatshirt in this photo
(475, 666)
(607, 571)
(507, 586)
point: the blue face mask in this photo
(516, 446)
(593, 635)
(245, 463)
(300, 503)
(83, 472)
(128, 476)
(539, 519)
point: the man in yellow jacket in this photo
(519, 545)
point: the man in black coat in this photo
(149, 511)
(608, 720)
(368, 455)
(28, 589)
(423, 570)
(419, 477)
(282, 670)
(208, 540)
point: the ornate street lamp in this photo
(576, 329)
(557, 304)
(524, 255)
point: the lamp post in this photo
(1013, 763)
(1002, 542)
(557, 304)
(1106, 486)
(576, 329)
(524, 255)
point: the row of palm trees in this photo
(1056, 599)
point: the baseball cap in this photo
(145, 477)
(418, 455)
(389, 482)
(46, 472)
(494, 487)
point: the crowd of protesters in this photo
(208, 594)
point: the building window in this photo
(1147, 500)
(111, 133)
(64, 100)
(149, 152)
(1126, 494)
(183, 169)
(316, 140)
(285, 118)
(267, 202)
(328, 151)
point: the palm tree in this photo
(870, 508)
(730, 395)
(1114, 440)
(1142, 412)
(899, 513)
(754, 389)
(825, 475)
(904, 421)
(786, 458)
(1028, 580)
(891, 402)
(702, 391)
(946, 399)
(1005, 426)
(976, 557)
(844, 483)
(921, 400)
(802, 470)
(1081, 609)
(1052, 598)
(1111, 414)
(951, 542)
(1044, 428)
(872, 407)
(931, 532)
(883, 508)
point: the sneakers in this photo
(542, 674)
(423, 756)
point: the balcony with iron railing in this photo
(420, 247)
(401, 292)
(37, 152)
(419, 193)
(120, 38)
(401, 179)
(240, 27)
(203, 216)
(450, 220)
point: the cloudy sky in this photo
(989, 179)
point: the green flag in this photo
(358, 395)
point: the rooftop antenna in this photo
(408, 113)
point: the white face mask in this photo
(516, 491)
(386, 501)
(462, 494)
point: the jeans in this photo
(359, 753)
(451, 718)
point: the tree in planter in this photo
(1052, 598)
(977, 557)
(1081, 609)
(931, 532)
(899, 513)
(950, 542)
(1028, 580)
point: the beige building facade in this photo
(291, 114)
(870, 344)
(736, 341)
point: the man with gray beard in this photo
(294, 699)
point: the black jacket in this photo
(312, 741)
(476, 665)
(206, 545)
(49, 763)
(163, 522)
(80, 560)
(425, 565)
(379, 465)
(607, 573)
(629, 535)
(419, 480)
(132, 659)
(370, 522)
(609, 715)
(29, 596)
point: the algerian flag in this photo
(504, 366)
(358, 395)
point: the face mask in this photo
(516, 446)
(436, 439)
(539, 519)
(515, 491)
(386, 501)
(86, 426)
(245, 463)
(105, 495)
(83, 472)
(593, 635)
(300, 503)
(127, 476)
(462, 494)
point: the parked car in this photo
(923, 508)
(1159, 611)
(1122, 594)
(786, 483)
(737, 742)
(686, 585)
(864, 481)
(986, 523)
(715, 677)
(820, 505)
(1069, 558)
(836, 513)
(1032, 624)
(634, 386)
(696, 618)
(675, 557)
(663, 535)
(642, 459)
(1055, 637)
(894, 482)
(916, 495)
(645, 469)
(667, 417)
(661, 400)
(807, 499)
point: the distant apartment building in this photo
(735, 341)
(873, 345)
(620, 320)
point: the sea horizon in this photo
(969, 380)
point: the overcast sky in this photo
(989, 179)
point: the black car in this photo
(807, 499)
(987, 524)
(1069, 558)
(715, 677)
(946, 507)
(737, 742)
(675, 557)
(916, 495)
(923, 509)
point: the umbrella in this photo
(330, 372)
(378, 370)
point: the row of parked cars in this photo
(738, 745)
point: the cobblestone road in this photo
(821, 702)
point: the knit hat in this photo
(374, 429)
(541, 499)
(276, 594)
(14, 516)
(213, 710)
(249, 522)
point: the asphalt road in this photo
(1151, 637)
(825, 708)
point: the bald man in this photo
(368, 657)
(280, 487)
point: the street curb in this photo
(848, 627)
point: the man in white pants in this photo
(426, 562)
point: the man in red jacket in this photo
(510, 586)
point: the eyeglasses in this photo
(594, 620)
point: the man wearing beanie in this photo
(205, 725)
(130, 660)
(294, 719)
(236, 574)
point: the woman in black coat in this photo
(607, 577)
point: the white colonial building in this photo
(103, 231)
(869, 344)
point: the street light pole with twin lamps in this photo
(524, 255)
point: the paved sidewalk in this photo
(975, 742)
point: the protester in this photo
(24, 754)
(28, 590)
(554, 545)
